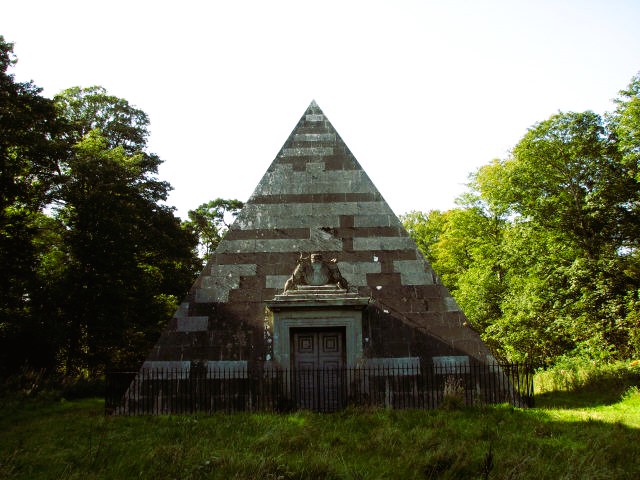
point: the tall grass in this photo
(59, 439)
(74, 440)
(577, 381)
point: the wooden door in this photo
(318, 368)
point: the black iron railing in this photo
(165, 391)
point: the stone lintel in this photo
(318, 302)
(322, 296)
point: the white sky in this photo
(422, 92)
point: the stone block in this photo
(408, 363)
(245, 245)
(307, 151)
(382, 243)
(223, 278)
(227, 369)
(451, 305)
(356, 272)
(314, 137)
(313, 179)
(336, 208)
(453, 364)
(277, 281)
(413, 272)
(319, 241)
(370, 220)
(168, 369)
(315, 168)
(383, 279)
(377, 208)
(346, 221)
(192, 324)
(182, 311)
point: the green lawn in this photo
(73, 439)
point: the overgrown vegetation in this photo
(565, 437)
(574, 381)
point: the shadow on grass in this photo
(582, 398)
(593, 394)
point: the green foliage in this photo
(425, 229)
(575, 374)
(129, 259)
(210, 221)
(41, 387)
(542, 254)
(29, 172)
(92, 262)
(626, 125)
(566, 176)
(92, 108)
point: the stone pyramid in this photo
(315, 197)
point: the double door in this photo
(318, 373)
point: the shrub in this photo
(39, 384)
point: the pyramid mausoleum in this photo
(316, 298)
(315, 198)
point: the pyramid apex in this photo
(313, 107)
(313, 110)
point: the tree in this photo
(92, 108)
(425, 229)
(210, 221)
(625, 122)
(542, 253)
(28, 173)
(129, 259)
(566, 175)
(534, 322)
(464, 247)
(625, 125)
(568, 190)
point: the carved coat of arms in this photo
(316, 271)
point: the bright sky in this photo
(422, 92)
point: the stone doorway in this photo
(317, 336)
(318, 361)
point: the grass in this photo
(583, 438)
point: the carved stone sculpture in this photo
(315, 271)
